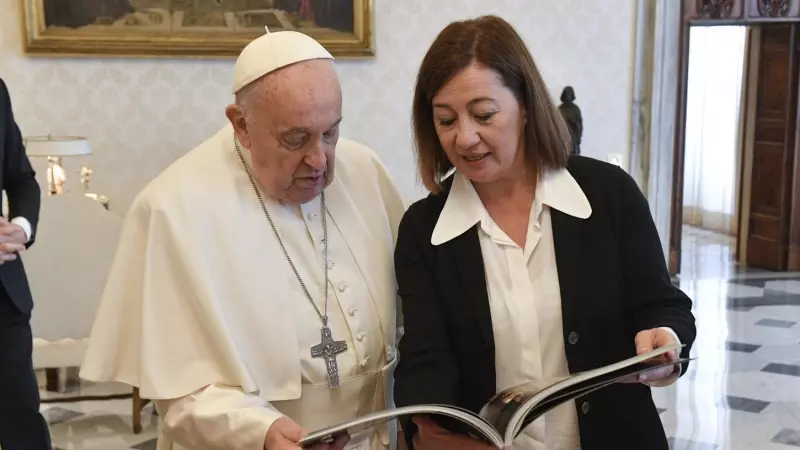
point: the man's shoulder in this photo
(354, 152)
(190, 176)
(356, 161)
(360, 172)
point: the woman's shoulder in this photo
(588, 167)
(428, 208)
(424, 213)
(594, 172)
(605, 183)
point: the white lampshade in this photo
(57, 146)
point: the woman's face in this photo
(479, 122)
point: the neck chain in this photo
(323, 210)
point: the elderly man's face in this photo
(290, 124)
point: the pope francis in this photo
(253, 293)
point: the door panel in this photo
(771, 201)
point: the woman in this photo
(526, 263)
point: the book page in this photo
(327, 435)
(542, 400)
(586, 387)
(499, 410)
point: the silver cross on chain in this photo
(328, 348)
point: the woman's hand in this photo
(431, 436)
(647, 341)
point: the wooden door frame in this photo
(744, 122)
(679, 150)
(678, 155)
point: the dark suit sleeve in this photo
(652, 300)
(427, 371)
(19, 179)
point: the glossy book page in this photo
(481, 427)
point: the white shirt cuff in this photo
(26, 226)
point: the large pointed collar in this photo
(463, 208)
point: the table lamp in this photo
(55, 148)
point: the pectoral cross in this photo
(328, 349)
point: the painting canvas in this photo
(190, 28)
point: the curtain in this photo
(712, 148)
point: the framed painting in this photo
(190, 28)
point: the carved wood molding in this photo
(714, 9)
(774, 8)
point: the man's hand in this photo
(431, 436)
(649, 340)
(12, 240)
(285, 433)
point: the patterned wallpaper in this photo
(140, 115)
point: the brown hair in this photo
(493, 43)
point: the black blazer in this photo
(614, 283)
(24, 199)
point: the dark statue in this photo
(572, 115)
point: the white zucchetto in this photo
(273, 51)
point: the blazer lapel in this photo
(567, 241)
(466, 253)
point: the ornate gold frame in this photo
(40, 41)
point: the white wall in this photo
(140, 115)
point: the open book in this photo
(510, 411)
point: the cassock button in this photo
(361, 336)
(585, 408)
(573, 338)
(352, 311)
(330, 264)
(312, 215)
(364, 362)
(343, 287)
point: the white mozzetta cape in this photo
(197, 293)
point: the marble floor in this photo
(742, 392)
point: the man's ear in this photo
(236, 116)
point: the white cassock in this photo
(204, 314)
